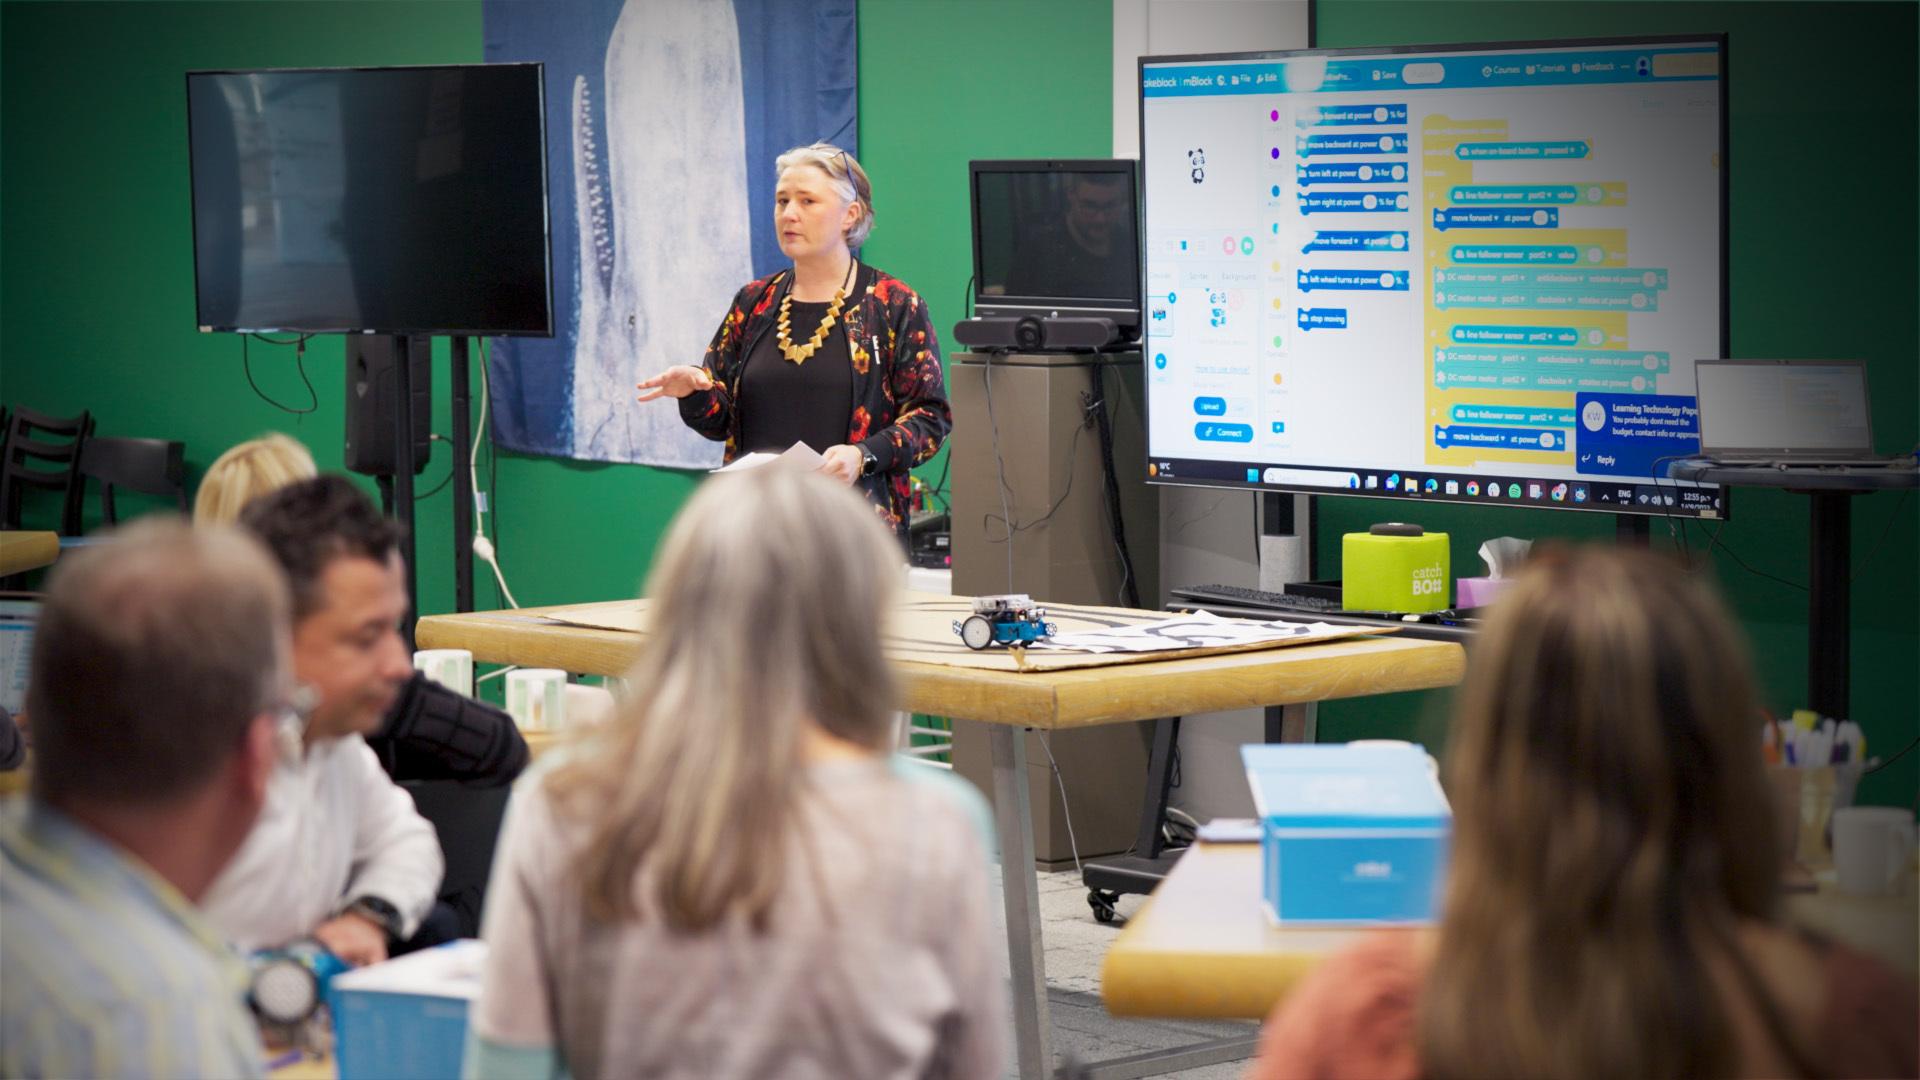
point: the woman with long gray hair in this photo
(734, 879)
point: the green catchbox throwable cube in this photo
(1394, 567)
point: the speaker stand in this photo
(403, 479)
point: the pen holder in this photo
(1806, 799)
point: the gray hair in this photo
(768, 603)
(155, 652)
(848, 178)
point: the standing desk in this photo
(1010, 701)
(1829, 493)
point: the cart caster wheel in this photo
(1102, 902)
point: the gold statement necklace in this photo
(800, 353)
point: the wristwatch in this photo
(377, 911)
(868, 463)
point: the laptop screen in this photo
(17, 619)
(1783, 408)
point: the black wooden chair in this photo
(148, 466)
(43, 453)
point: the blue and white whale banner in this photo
(663, 121)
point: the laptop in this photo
(19, 614)
(1785, 413)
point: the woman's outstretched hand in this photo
(676, 382)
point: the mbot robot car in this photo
(1012, 619)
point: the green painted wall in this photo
(96, 275)
(1824, 211)
(96, 256)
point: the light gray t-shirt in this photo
(880, 960)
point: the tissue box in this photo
(1473, 592)
(1394, 573)
(1350, 835)
(407, 1017)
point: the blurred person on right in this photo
(734, 878)
(1612, 904)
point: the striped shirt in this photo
(105, 969)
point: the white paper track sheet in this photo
(799, 455)
(1199, 630)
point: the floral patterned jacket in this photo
(899, 410)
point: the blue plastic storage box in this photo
(1350, 835)
(407, 1018)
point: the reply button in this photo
(1223, 432)
(1210, 406)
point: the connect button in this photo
(1210, 406)
(1223, 432)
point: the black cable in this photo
(445, 480)
(1129, 585)
(1706, 557)
(1892, 520)
(1016, 527)
(299, 360)
(1896, 757)
(1758, 573)
(1679, 534)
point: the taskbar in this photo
(1632, 495)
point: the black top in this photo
(782, 402)
(433, 733)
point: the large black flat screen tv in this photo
(371, 200)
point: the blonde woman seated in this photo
(1612, 906)
(246, 472)
(734, 879)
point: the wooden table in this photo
(1011, 701)
(1202, 946)
(22, 551)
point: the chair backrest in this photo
(148, 466)
(35, 438)
(468, 821)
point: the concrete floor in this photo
(1082, 1031)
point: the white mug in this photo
(536, 698)
(451, 668)
(1872, 847)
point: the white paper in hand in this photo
(799, 455)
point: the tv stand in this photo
(397, 491)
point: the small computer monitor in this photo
(1057, 237)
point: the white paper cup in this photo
(537, 698)
(1872, 846)
(451, 668)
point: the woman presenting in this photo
(832, 353)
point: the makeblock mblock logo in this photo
(1428, 581)
(1197, 164)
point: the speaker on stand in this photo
(386, 442)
